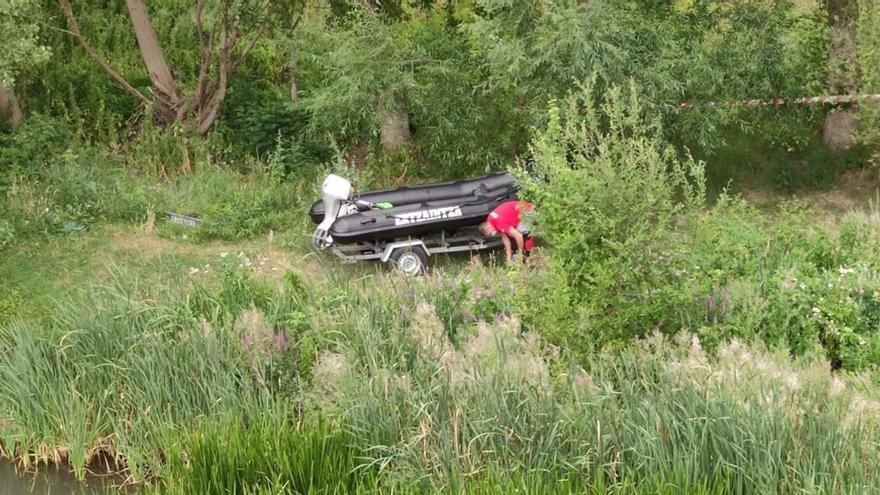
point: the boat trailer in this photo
(409, 254)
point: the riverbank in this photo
(185, 361)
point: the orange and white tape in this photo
(809, 100)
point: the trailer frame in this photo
(396, 250)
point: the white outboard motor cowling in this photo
(336, 190)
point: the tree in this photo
(21, 49)
(10, 110)
(408, 84)
(370, 79)
(868, 36)
(693, 51)
(839, 128)
(227, 30)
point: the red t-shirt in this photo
(507, 215)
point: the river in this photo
(46, 482)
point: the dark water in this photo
(47, 481)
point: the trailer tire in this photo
(410, 261)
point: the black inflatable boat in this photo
(488, 186)
(409, 220)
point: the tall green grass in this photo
(116, 373)
(270, 452)
(662, 419)
(391, 385)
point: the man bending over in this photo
(511, 219)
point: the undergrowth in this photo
(386, 384)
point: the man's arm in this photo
(506, 241)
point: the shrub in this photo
(632, 252)
(26, 150)
(609, 195)
(230, 205)
(69, 191)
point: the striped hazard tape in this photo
(809, 100)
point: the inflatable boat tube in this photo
(478, 186)
(414, 219)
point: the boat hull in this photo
(487, 185)
(416, 219)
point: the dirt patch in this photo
(262, 256)
(854, 190)
(143, 242)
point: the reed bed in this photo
(381, 384)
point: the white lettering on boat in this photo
(427, 215)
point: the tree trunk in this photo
(394, 133)
(294, 90)
(10, 112)
(839, 128)
(151, 52)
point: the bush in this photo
(609, 195)
(632, 252)
(28, 149)
(67, 190)
(230, 205)
(260, 120)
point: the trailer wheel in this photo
(410, 261)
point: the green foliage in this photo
(469, 380)
(420, 65)
(656, 415)
(260, 119)
(868, 36)
(73, 87)
(53, 185)
(31, 147)
(699, 53)
(10, 304)
(608, 192)
(268, 452)
(229, 205)
(632, 253)
(750, 161)
(115, 352)
(19, 37)
(394, 384)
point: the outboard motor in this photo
(336, 191)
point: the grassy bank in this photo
(653, 345)
(236, 382)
